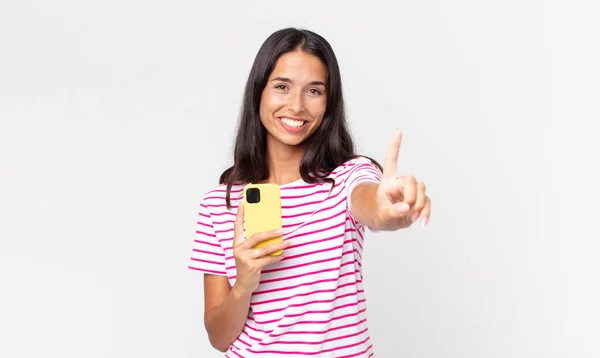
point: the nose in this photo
(296, 103)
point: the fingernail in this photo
(279, 231)
(415, 216)
(424, 222)
(402, 208)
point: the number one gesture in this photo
(400, 200)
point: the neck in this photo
(284, 162)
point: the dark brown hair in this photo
(330, 146)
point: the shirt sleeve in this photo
(363, 170)
(208, 255)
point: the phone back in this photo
(264, 215)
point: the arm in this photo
(225, 307)
(364, 204)
(225, 311)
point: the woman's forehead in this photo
(301, 67)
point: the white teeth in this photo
(292, 123)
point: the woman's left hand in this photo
(400, 200)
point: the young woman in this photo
(292, 131)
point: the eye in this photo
(281, 86)
(315, 91)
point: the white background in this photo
(117, 116)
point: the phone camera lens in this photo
(253, 195)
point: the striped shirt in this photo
(312, 302)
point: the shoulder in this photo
(354, 166)
(360, 160)
(215, 197)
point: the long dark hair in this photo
(327, 148)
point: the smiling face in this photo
(294, 101)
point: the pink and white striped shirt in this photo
(311, 303)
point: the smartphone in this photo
(262, 211)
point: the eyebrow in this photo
(285, 79)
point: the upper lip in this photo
(294, 118)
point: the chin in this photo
(288, 140)
(291, 141)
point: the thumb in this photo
(398, 210)
(389, 215)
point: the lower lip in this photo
(290, 128)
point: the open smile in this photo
(292, 125)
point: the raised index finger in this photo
(391, 158)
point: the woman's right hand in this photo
(249, 261)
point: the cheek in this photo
(265, 105)
(318, 109)
(318, 113)
(269, 104)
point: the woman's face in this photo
(293, 102)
